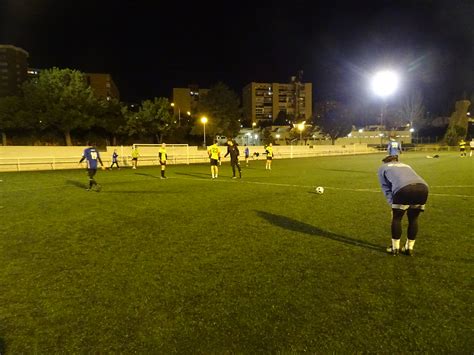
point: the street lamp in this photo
(301, 129)
(384, 84)
(204, 121)
(179, 112)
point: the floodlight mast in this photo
(384, 84)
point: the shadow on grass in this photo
(77, 184)
(137, 192)
(297, 226)
(149, 175)
(2, 347)
(198, 175)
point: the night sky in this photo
(150, 47)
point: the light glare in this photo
(385, 83)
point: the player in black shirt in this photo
(233, 150)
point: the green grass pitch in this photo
(262, 264)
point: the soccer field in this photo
(261, 264)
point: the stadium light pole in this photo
(301, 129)
(384, 84)
(179, 113)
(204, 121)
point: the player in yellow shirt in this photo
(269, 153)
(462, 147)
(135, 154)
(163, 156)
(214, 153)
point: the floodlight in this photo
(385, 83)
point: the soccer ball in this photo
(320, 190)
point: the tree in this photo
(267, 136)
(154, 117)
(336, 123)
(221, 106)
(111, 117)
(458, 123)
(60, 98)
(9, 116)
(412, 109)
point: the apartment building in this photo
(102, 85)
(13, 69)
(186, 99)
(265, 103)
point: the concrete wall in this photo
(22, 158)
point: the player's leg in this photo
(163, 167)
(412, 229)
(240, 170)
(91, 173)
(233, 169)
(396, 229)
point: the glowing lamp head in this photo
(204, 120)
(385, 83)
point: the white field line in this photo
(373, 190)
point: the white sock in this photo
(411, 243)
(395, 243)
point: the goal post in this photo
(177, 153)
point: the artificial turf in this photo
(258, 264)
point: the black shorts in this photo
(214, 162)
(269, 158)
(162, 162)
(411, 196)
(91, 173)
(135, 159)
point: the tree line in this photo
(59, 107)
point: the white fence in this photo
(22, 158)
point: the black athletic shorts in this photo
(269, 158)
(411, 196)
(91, 173)
(162, 162)
(214, 162)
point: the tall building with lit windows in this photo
(13, 69)
(264, 103)
(186, 99)
(102, 85)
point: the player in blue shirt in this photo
(114, 160)
(394, 147)
(92, 156)
(247, 155)
(404, 190)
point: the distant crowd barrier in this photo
(24, 158)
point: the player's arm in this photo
(386, 186)
(82, 159)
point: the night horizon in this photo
(149, 49)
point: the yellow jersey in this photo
(214, 152)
